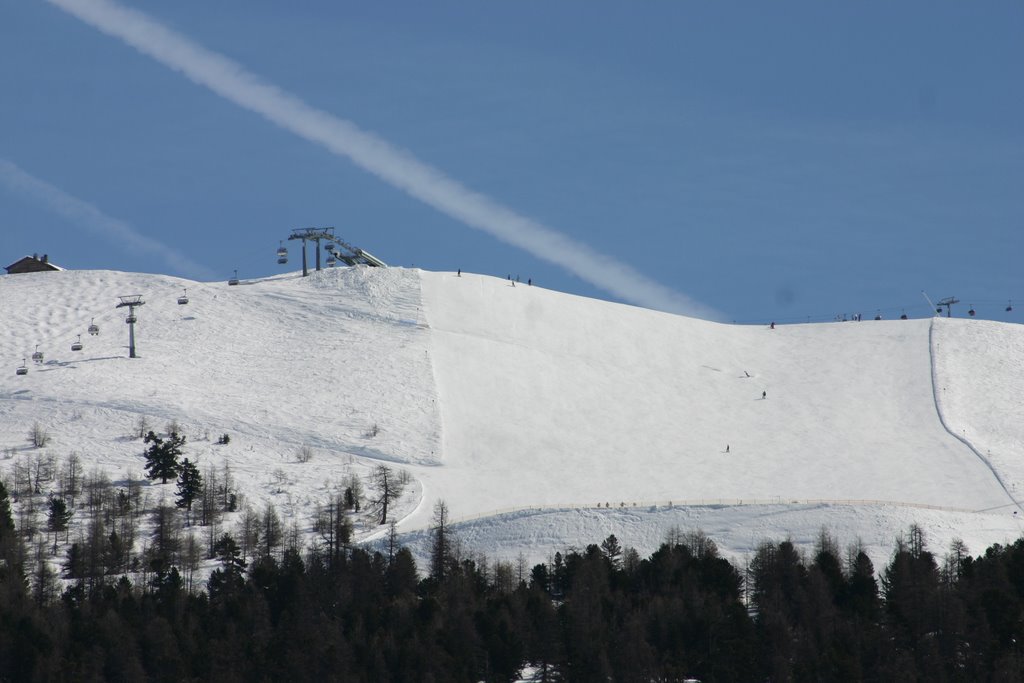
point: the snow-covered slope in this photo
(497, 396)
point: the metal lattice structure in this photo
(354, 256)
(312, 235)
(336, 248)
(948, 303)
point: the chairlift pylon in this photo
(94, 329)
(183, 299)
(77, 345)
(23, 370)
(37, 356)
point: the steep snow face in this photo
(336, 362)
(498, 397)
(979, 378)
(555, 399)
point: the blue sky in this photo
(785, 161)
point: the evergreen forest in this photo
(336, 612)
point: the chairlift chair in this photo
(331, 260)
(131, 320)
(77, 345)
(183, 299)
(23, 370)
(37, 357)
(1009, 306)
(903, 316)
(94, 329)
(878, 315)
(234, 280)
(971, 312)
(282, 254)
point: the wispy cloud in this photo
(389, 163)
(84, 214)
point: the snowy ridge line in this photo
(710, 502)
(942, 419)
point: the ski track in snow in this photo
(962, 437)
(497, 397)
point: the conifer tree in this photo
(230, 578)
(58, 517)
(190, 486)
(162, 456)
(389, 486)
(6, 519)
(441, 543)
(10, 550)
(612, 550)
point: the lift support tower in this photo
(314, 235)
(131, 302)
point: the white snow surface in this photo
(544, 420)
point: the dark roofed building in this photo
(32, 264)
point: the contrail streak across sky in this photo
(88, 216)
(389, 163)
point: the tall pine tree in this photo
(190, 487)
(162, 456)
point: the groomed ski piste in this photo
(545, 421)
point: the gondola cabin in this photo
(183, 299)
(94, 329)
(23, 370)
(77, 345)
